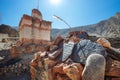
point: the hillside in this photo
(8, 30)
(107, 28)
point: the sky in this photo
(74, 12)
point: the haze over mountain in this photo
(106, 28)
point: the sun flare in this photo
(55, 2)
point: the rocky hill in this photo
(106, 28)
(8, 30)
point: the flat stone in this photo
(67, 50)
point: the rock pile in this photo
(49, 65)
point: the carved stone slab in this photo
(67, 50)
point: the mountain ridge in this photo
(106, 28)
(8, 30)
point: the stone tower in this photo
(34, 28)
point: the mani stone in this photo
(67, 50)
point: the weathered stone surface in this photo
(115, 79)
(39, 67)
(73, 71)
(104, 42)
(85, 48)
(14, 52)
(67, 50)
(57, 40)
(94, 68)
(55, 54)
(113, 68)
(80, 34)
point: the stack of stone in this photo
(53, 65)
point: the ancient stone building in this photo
(34, 28)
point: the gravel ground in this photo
(5, 46)
(25, 59)
(24, 76)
